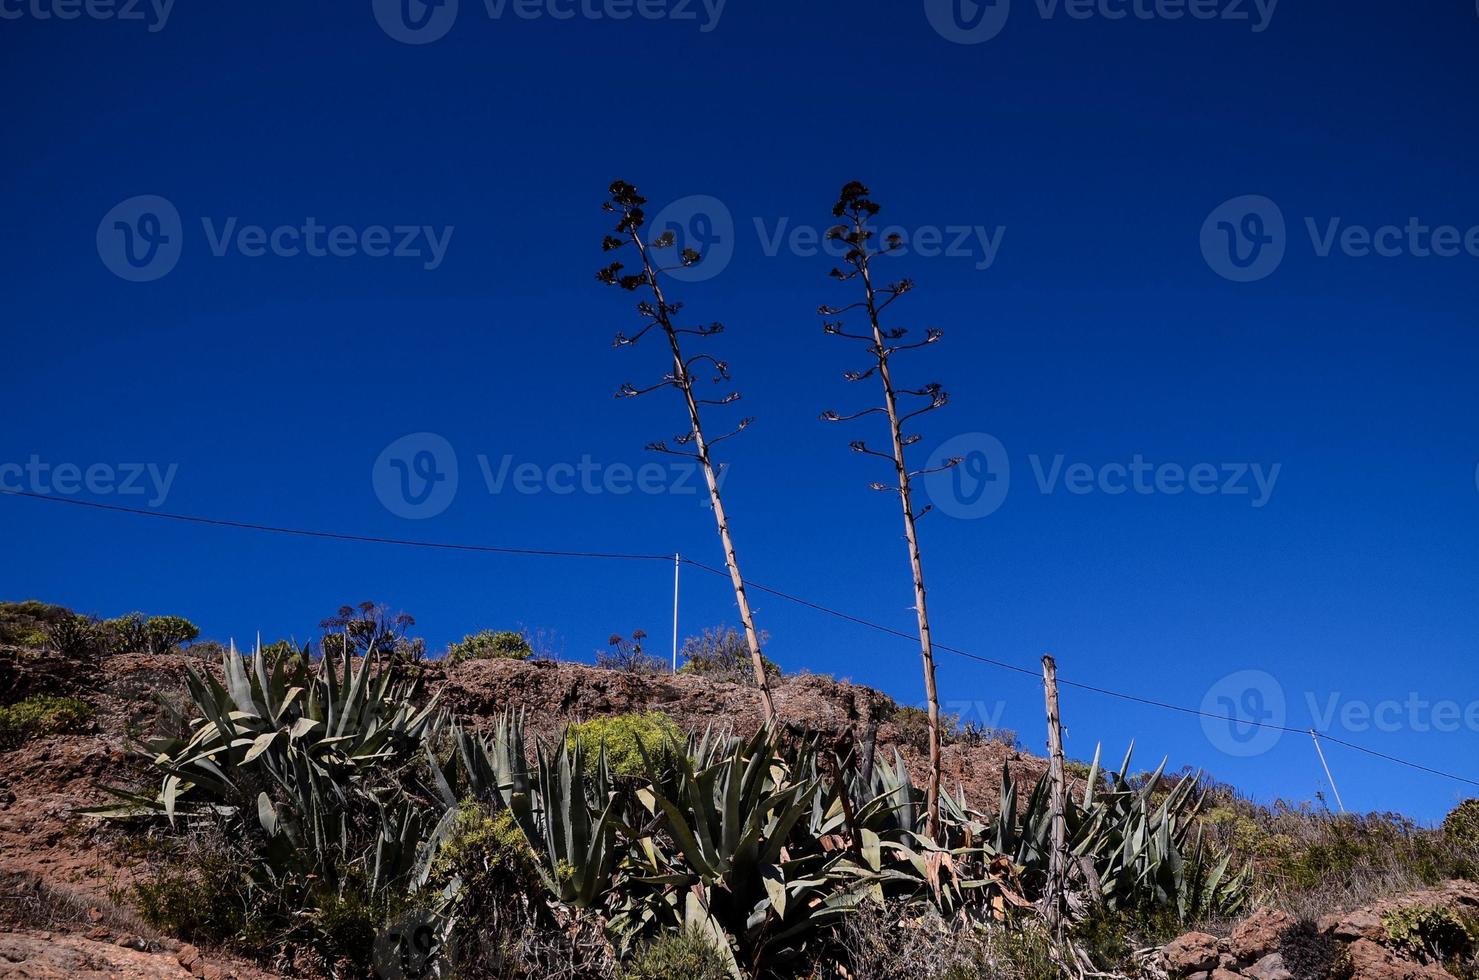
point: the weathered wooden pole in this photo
(1053, 895)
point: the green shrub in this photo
(1461, 826)
(688, 955)
(723, 653)
(491, 645)
(202, 900)
(621, 735)
(1110, 936)
(24, 623)
(486, 850)
(40, 715)
(127, 634)
(1430, 931)
(913, 726)
(165, 633)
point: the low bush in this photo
(626, 655)
(621, 735)
(42, 714)
(687, 955)
(894, 942)
(1461, 826)
(491, 645)
(912, 726)
(197, 890)
(28, 624)
(723, 653)
(1430, 931)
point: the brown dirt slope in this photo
(61, 874)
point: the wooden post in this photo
(1053, 895)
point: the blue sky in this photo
(1070, 187)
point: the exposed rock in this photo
(1350, 926)
(1259, 934)
(1192, 953)
(1270, 967)
(1370, 961)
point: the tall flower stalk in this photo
(660, 312)
(855, 208)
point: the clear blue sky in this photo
(1100, 332)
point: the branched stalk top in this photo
(661, 312)
(857, 210)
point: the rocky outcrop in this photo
(64, 956)
(1272, 945)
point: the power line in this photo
(786, 596)
(333, 535)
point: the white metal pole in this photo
(1329, 778)
(677, 563)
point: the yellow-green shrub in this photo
(677, 956)
(621, 735)
(42, 714)
(490, 645)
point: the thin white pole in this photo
(1331, 779)
(677, 563)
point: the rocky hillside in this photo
(65, 896)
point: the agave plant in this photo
(298, 757)
(566, 809)
(726, 848)
(953, 870)
(1130, 844)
